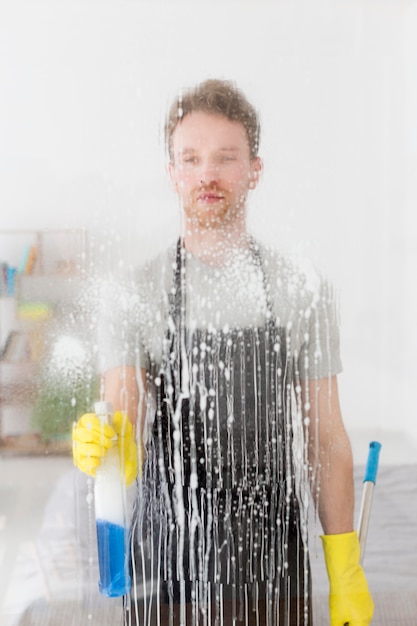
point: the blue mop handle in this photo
(369, 484)
(372, 464)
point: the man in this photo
(230, 379)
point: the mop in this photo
(369, 481)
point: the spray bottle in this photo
(110, 510)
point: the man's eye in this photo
(227, 157)
(190, 160)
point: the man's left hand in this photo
(350, 602)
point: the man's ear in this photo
(172, 176)
(256, 170)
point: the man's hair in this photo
(218, 97)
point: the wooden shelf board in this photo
(32, 445)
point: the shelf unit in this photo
(27, 307)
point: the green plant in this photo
(60, 403)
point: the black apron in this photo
(219, 506)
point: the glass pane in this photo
(215, 340)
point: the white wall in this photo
(84, 89)
(409, 242)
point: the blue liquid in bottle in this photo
(111, 541)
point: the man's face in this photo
(211, 169)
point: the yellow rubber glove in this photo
(91, 439)
(128, 450)
(350, 601)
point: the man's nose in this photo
(209, 173)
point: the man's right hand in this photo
(90, 441)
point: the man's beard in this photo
(214, 216)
